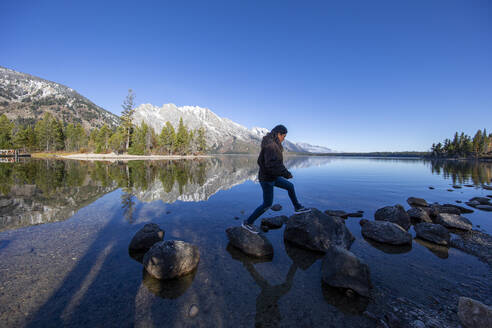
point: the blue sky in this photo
(349, 75)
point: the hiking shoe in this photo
(250, 228)
(302, 209)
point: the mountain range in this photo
(223, 135)
(26, 98)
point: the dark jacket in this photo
(271, 160)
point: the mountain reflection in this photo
(41, 191)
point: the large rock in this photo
(446, 209)
(474, 314)
(274, 222)
(171, 259)
(419, 215)
(481, 200)
(414, 201)
(252, 244)
(454, 221)
(317, 231)
(342, 269)
(385, 232)
(146, 237)
(461, 208)
(435, 233)
(395, 214)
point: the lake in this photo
(65, 227)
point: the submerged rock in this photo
(385, 232)
(146, 237)
(342, 269)
(170, 288)
(457, 187)
(339, 213)
(395, 214)
(487, 208)
(454, 221)
(418, 214)
(276, 207)
(171, 259)
(415, 201)
(481, 200)
(317, 231)
(475, 243)
(474, 314)
(487, 187)
(357, 214)
(252, 244)
(435, 233)
(274, 222)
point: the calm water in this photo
(65, 227)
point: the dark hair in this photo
(274, 134)
(279, 129)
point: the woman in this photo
(272, 173)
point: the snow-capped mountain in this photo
(222, 134)
(26, 98)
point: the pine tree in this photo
(6, 128)
(181, 137)
(202, 145)
(127, 115)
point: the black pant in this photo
(267, 187)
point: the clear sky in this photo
(349, 75)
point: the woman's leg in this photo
(267, 202)
(289, 186)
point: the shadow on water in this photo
(267, 308)
(85, 298)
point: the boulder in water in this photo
(454, 221)
(435, 233)
(418, 214)
(474, 314)
(395, 214)
(481, 200)
(385, 232)
(274, 222)
(146, 237)
(171, 259)
(342, 269)
(415, 201)
(256, 245)
(317, 231)
(276, 207)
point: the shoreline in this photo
(126, 157)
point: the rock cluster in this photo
(163, 259)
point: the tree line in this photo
(463, 145)
(50, 134)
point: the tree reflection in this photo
(461, 172)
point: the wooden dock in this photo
(12, 153)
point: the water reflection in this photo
(389, 249)
(438, 250)
(267, 308)
(462, 172)
(40, 191)
(349, 303)
(171, 289)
